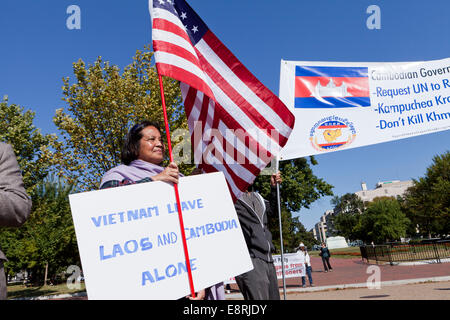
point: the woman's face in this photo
(151, 147)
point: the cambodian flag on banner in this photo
(331, 87)
(237, 125)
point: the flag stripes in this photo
(236, 124)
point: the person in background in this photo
(142, 155)
(15, 204)
(325, 254)
(303, 252)
(253, 210)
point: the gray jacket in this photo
(15, 204)
(254, 224)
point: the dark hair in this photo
(130, 149)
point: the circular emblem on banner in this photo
(332, 133)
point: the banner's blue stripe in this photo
(312, 71)
(347, 102)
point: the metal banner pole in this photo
(281, 230)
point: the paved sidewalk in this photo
(418, 291)
(354, 273)
(348, 281)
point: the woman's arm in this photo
(124, 182)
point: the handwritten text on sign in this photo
(130, 240)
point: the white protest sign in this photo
(130, 241)
(343, 105)
(294, 266)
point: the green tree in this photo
(46, 244)
(36, 160)
(383, 221)
(299, 189)
(103, 104)
(348, 209)
(348, 203)
(31, 147)
(346, 224)
(427, 202)
(294, 232)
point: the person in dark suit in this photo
(253, 212)
(15, 204)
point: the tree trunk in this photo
(45, 276)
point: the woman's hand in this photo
(170, 174)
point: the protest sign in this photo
(130, 241)
(294, 266)
(343, 105)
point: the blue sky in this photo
(37, 51)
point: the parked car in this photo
(356, 243)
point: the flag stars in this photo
(161, 2)
(183, 15)
(195, 29)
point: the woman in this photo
(302, 251)
(142, 154)
(325, 254)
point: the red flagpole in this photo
(177, 195)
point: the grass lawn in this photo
(20, 291)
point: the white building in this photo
(384, 189)
(324, 228)
(321, 229)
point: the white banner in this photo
(294, 266)
(130, 241)
(343, 105)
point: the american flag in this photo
(236, 124)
